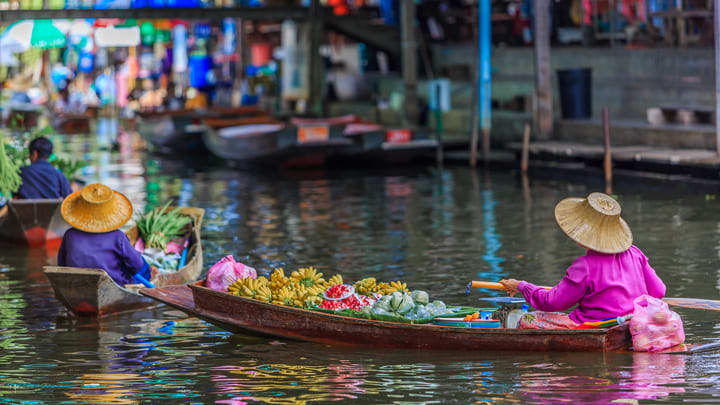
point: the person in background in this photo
(96, 213)
(604, 282)
(41, 179)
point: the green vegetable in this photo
(158, 226)
(420, 297)
(396, 300)
(10, 180)
(382, 304)
(405, 305)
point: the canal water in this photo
(434, 229)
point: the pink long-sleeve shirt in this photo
(603, 286)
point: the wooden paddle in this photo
(694, 303)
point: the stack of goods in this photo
(162, 240)
(303, 289)
(369, 299)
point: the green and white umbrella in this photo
(44, 34)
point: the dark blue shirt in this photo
(42, 180)
(109, 251)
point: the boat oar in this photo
(489, 285)
(693, 303)
(143, 280)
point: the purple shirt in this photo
(602, 285)
(110, 251)
(42, 180)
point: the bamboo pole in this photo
(409, 60)
(525, 149)
(607, 163)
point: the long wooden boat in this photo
(32, 222)
(244, 315)
(73, 123)
(91, 292)
(181, 130)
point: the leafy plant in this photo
(10, 180)
(159, 226)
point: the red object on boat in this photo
(398, 136)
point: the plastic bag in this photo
(226, 271)
(653, 326)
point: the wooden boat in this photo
(181, 130)
(91, 292)
(250, 143)
(33, 222)
(244, 315)
(73, 123)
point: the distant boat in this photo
(180, 131)
(32, 222)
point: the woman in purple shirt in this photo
(96, 212)
(604, 282)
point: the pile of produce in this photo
(10, 180)
(305, 288)
(160, 226)
(163, 238)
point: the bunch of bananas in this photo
(278, 280)
(307, 277)
(306, 297)
(334, 280)
(283, 296)
(366, 286)
(251, 288)
(398, 286)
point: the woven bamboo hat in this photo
(96, 209)
(594, 222)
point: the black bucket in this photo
(575, 87)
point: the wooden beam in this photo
(251, 13)
(543, 84)
(409, 60)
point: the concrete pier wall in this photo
(627, 81)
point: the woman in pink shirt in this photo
(604, 282)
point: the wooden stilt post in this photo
(607, 163)
(474, 105)
(315, 102)
(525, 149)
(409, 60)
(543, 86)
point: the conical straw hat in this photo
(594, 222)
(96, 209)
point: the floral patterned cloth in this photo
(546, 320)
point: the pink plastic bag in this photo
(225, 272)
(653, 326)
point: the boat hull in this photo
(245, 315)
(33, 222)
(92, 293)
